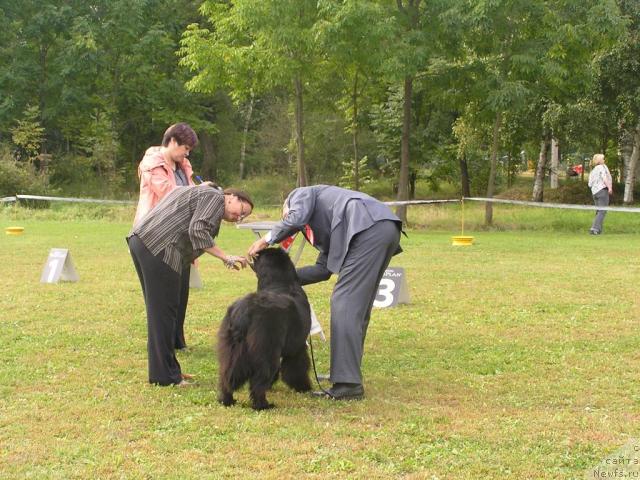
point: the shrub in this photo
(19, 177)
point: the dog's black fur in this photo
(264, 333)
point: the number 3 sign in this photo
(392, 289)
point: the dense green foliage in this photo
(316, 91)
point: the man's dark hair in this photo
(244, 196)
(183, 134)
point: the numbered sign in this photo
(194, 278)
(59, 266)
(392, 289)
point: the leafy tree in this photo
(29, 69)
(354, 36)
(503, 58)
(28, 135)
(617, 91)
(410, 58)
(425, 33)
(255, 46)
(577, 35)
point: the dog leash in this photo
(315, 372)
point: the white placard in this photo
(392, 289)
(316, 328)
(194, 278)
(59, 266)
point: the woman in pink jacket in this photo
(160, 171)
(163, 168)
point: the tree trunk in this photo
(209, 169)
(464, 177)
(403, 181)
(302, 170)
(630, 178)
(245, 133)
(538, 183)
(625, 150)
(413, 178)
(42, 93)
(495, 143)
(354, 134)
(555, 163)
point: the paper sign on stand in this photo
(194, 278)
(59, 266)
(393, 288)
(316, 328)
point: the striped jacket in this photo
(182, 225)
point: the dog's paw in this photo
(227, 401)
(263, 406)
(305, 387)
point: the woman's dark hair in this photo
(244, 196)
(211, 184)
(183, 134)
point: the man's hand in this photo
(257, 247)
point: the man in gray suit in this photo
(356, 236)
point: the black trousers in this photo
(161, 287)
(182, 307)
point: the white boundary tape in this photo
(64, 199)
(418, 202)
(553, 205)
(391, 204)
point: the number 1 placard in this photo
(59, 266)
(392, 289)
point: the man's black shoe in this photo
(343, 391)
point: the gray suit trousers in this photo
(600, 199)
(368, 257)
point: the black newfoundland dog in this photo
(264, 333)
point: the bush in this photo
(20, 177)
(571, 190)
(266, 190)
(79, 176)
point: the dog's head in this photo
(274, 264)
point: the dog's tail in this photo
(232, 348)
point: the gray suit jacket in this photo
(335, 215)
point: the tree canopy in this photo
(335, 91)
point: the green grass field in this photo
(517, 357)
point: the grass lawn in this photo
(517, 357)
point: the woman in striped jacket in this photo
(174, 233)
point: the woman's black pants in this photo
(161, 287)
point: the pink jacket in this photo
(156, 180)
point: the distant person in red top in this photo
(161, 170)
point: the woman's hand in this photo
(235, 262)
